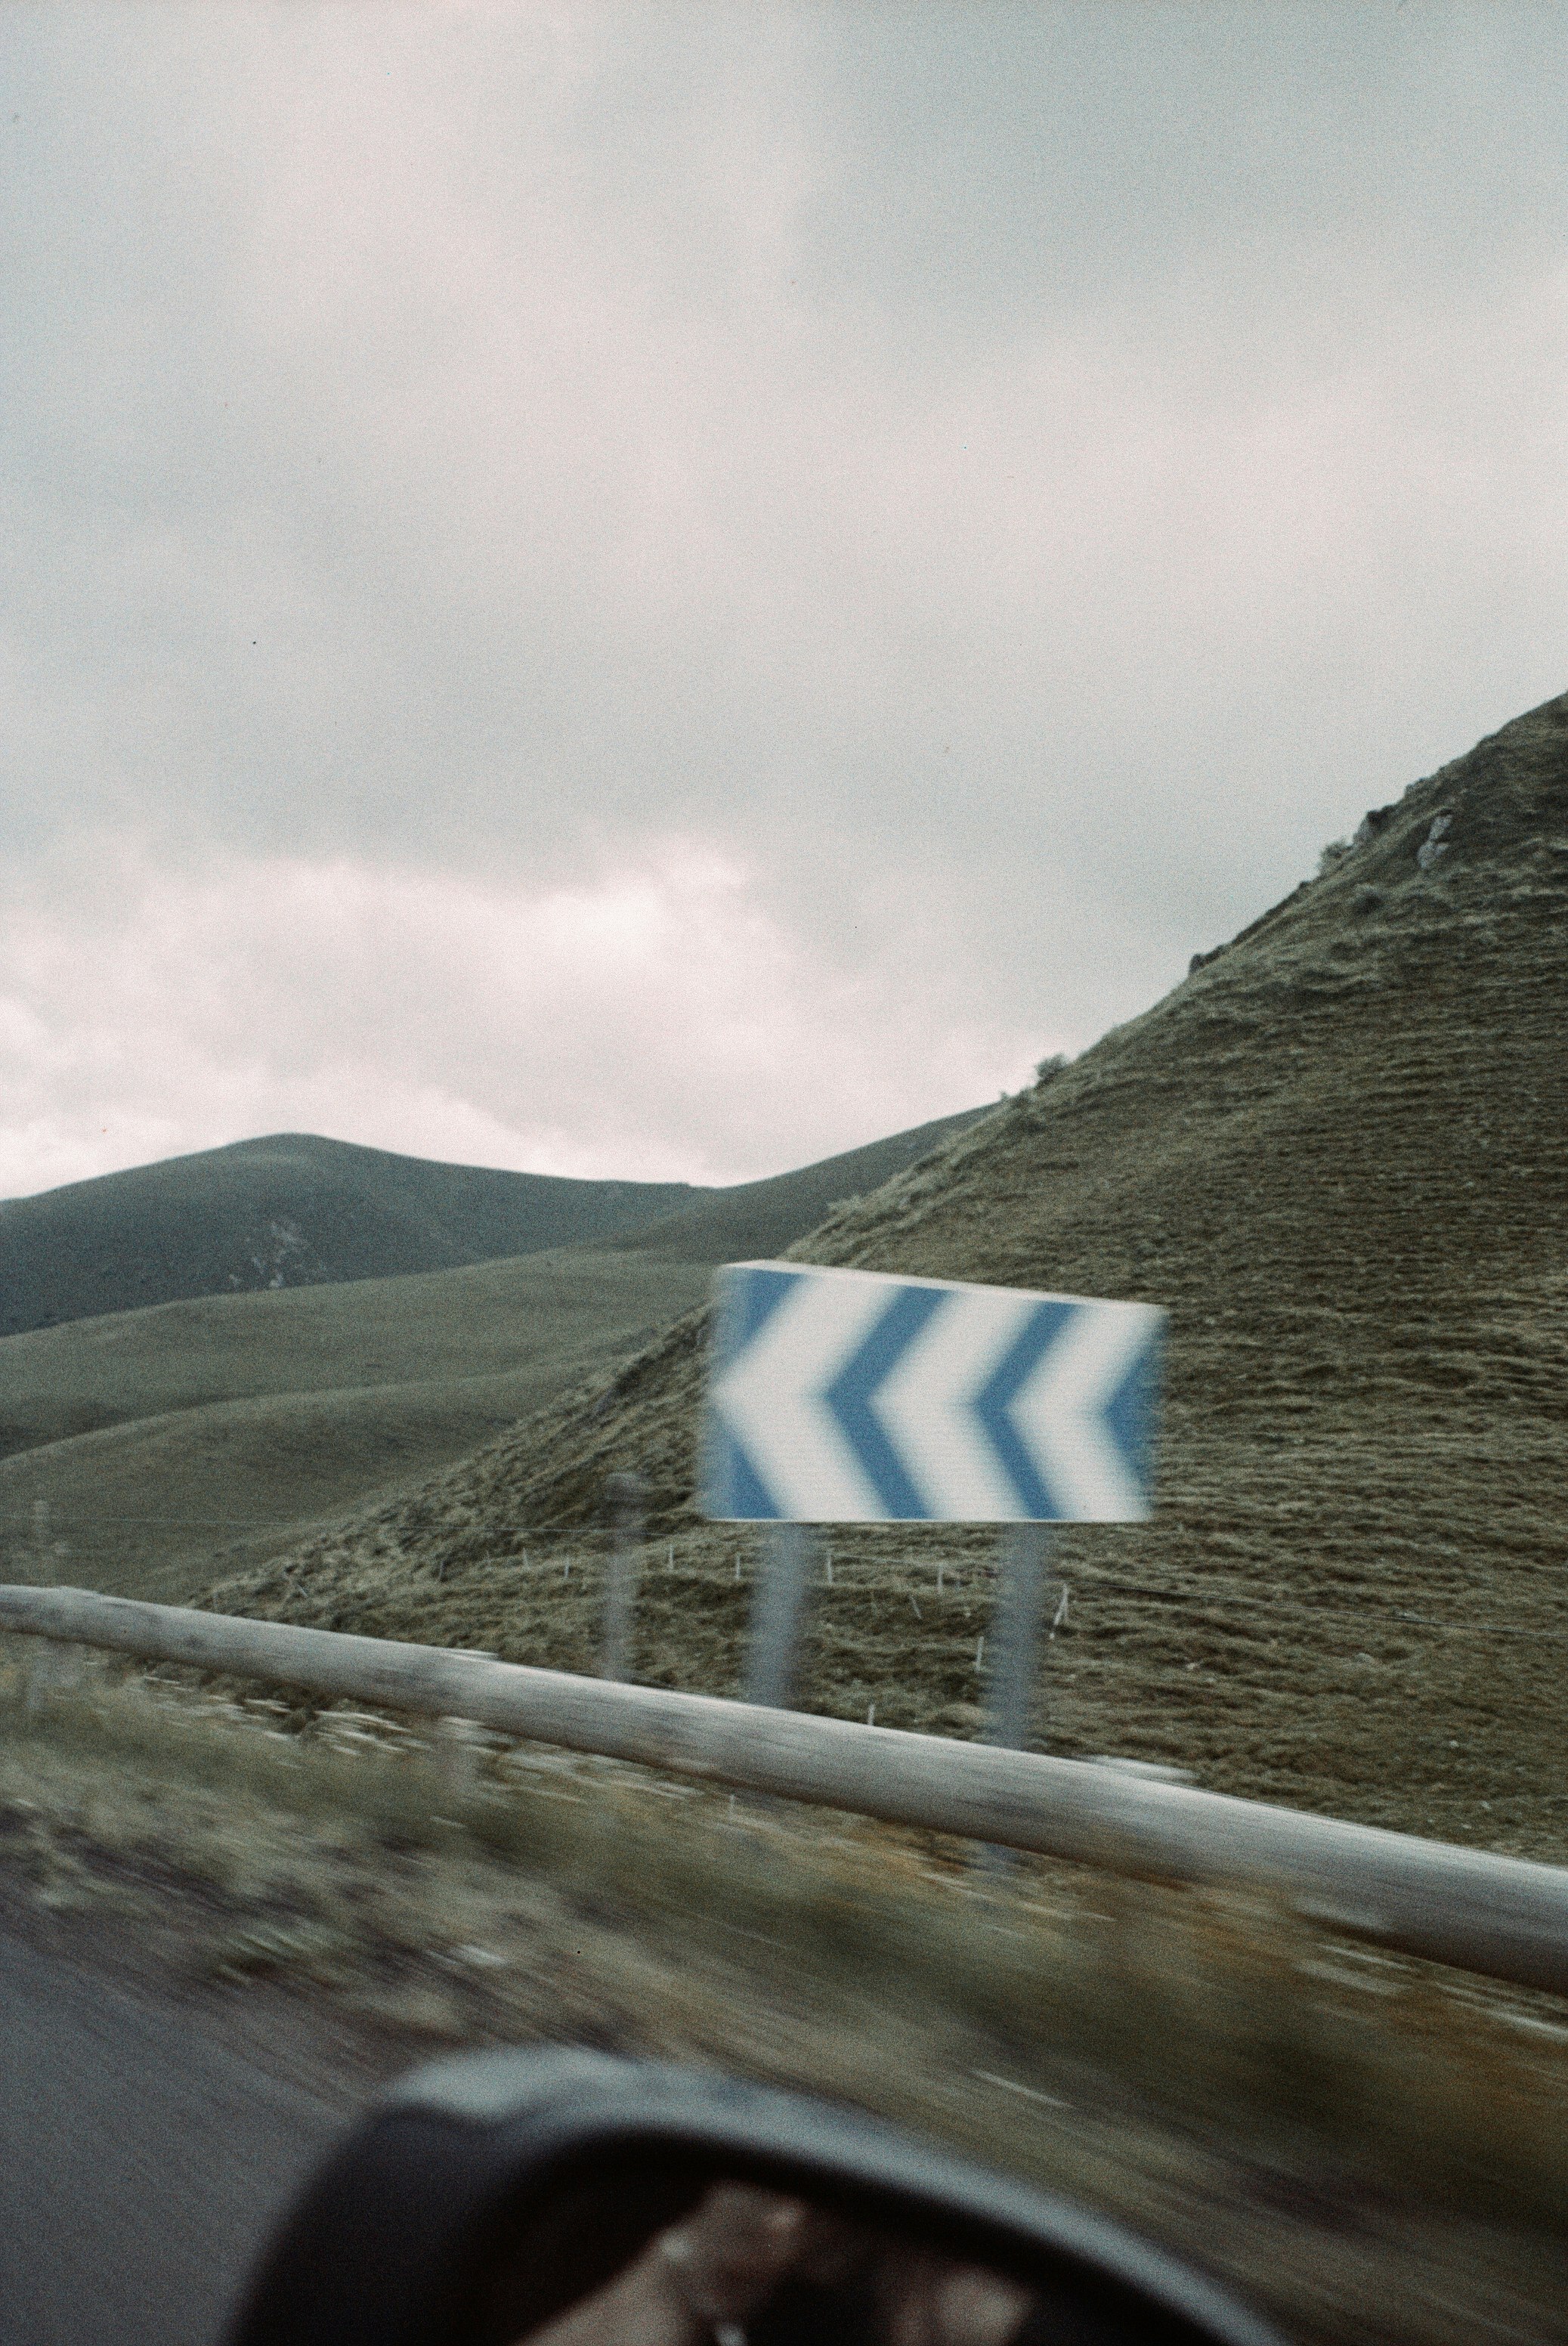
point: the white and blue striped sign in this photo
(844, 1396)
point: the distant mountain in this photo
(291, 1210)
(294, 1210)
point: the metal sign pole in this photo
(626, 1500)
(1014, 1640)
(1015, 1644)
(776, 1616)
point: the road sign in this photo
(844, 1396)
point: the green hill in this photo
(228, 1425)
(1336, 1153)
(295, 1210)
(157, 1441)
(287, 1211)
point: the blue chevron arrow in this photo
(741, 1307)
(1018, 1362)
(853, 1392)
(848, 1396)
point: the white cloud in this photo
(851, 541)
(659, 1023)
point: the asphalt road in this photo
(144, 2153)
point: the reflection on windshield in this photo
(752, 2268)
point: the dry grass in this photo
(1375, 2148)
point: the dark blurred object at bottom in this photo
(576, 2199)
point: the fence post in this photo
(626, 1502)
(776, 1614)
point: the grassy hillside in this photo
(1336, 1152)
(161, 1441)
(758, 1218)
(282, 1212)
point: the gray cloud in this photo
(1010, 483)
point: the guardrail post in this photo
(40, 1668)
(626, 1500)
(776, 1616)
(53, 1667)
(458, 1743)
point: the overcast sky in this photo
(664, 591)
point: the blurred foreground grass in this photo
(1375, 2149)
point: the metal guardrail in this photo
(1501, 1916)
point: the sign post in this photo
(1015, 1651)
(625, 1498)
(848, 1396)
(1014, 1639)
(776, 1615)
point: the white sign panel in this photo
(846, 1396)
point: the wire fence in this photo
(551, 1552)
